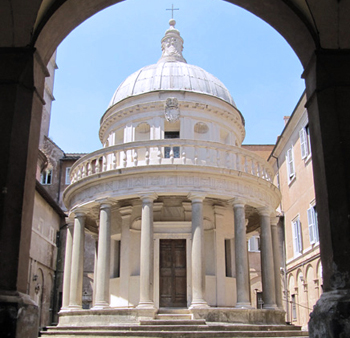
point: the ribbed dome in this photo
(171, 75)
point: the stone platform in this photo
(183, 323)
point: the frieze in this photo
(121, 188)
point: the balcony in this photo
(171, 152)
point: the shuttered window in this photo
(313, 226)
(290, 164)
(298, 246)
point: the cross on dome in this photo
(172, 9)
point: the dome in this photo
(171, 73)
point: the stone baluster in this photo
(77, 266)
(124, 159)
(97, 165)
(83, 171)
(147, 252)
(103, 256)
(159, 155)
(104, 163)
(171, 155)
(147, 156)
(241, 255)
(195, 155)
(135, 157)
(114, 160)
(67, 265)
(198, 262)
(90, 168)
(183, 155)
(267, 260)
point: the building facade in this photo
(292, 162)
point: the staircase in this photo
(177, 323)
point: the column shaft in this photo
(103, 257)
(77, 269)
(267, 263)
(146, 259)
(198, 262)
(241, 257)
(277, 261)
(67, 267)
(125, 254)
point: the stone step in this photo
(172, 322)
(179, 331)
(177, 334)
(173, 316)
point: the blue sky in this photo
(254, 62)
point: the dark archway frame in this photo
(319, 34)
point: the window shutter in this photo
(311, 222)
(303, 143)
(290, 163)
(297, 236)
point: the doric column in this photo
(76, 281)
(267, 262)
(103, 257)
(241, 255)
(146, 259)
(198, 262)
(125, 212)
(220, 255)
(95, 237)
(277, 260)
(67, 265)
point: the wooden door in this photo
(172, 274)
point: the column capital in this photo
(69, 222)
(274, 220)
(79, 212)
(265, 211)
(125, 211)
(105, 203)
(237, 202)
(150, 196)
(196, 196)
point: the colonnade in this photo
(74, 256)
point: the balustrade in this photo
(162, 152)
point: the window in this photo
(176, 150)
(313, 226)
(290, 164)
(259, 300)
(298, 247)
(228, 258)
(68, 175)
(46, 177)
(254, 243)
(304, 135)
(294, 308)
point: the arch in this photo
(291, 22)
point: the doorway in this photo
(172, 273)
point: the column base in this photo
(243, 306)
(270, 306)
(331, 315)
(146, 305)
(19, 315)
(101, 306)
(199, 304)
(74, 307)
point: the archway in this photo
(327, 77)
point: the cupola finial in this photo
(172, 45)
